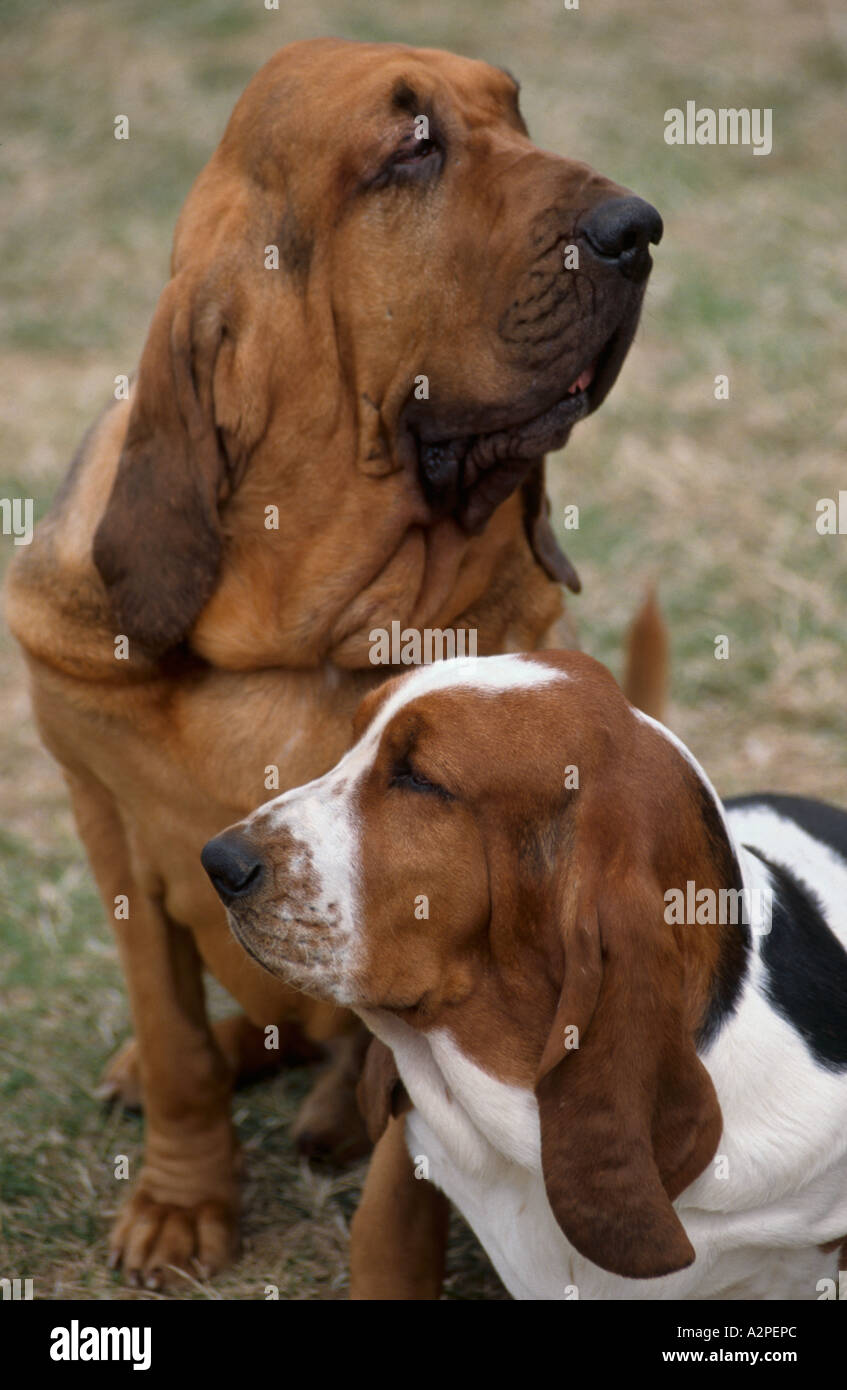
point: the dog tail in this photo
(645, 681)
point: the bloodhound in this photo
(370, 337)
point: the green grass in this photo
(715, 500)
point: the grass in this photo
(714, 499)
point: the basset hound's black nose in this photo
(233, 865)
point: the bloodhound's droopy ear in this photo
(629, 1116)
(158, 545)
(539, 532)
(380, 1092)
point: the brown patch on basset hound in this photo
(545, 913)
(574, 884)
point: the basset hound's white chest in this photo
(478, 1139)
(510, 1215)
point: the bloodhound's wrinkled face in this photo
(376, 278)
(442, 248)
(491, 857)
(457, 226)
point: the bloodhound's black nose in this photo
(622, 229)
(233, 865)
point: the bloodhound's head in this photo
(539, 820)
(386, 304)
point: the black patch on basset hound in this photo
(735, 941)
(806, 968)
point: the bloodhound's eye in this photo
(414, 158)
(414, 150)
(404, 775)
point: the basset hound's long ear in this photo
(158, 544)
(629, 1115)
(380, 1092)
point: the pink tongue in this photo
(583, 381)
(585, 378)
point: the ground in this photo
(713, 499)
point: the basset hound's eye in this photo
(404, 775)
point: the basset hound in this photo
(612, 1011)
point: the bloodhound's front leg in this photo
(184, 1206)
(398, 1237)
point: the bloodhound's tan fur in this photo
(294, 388)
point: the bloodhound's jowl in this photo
(293, 388)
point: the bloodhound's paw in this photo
(152, 1240)
(329, 1125)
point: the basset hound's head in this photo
(492, 858)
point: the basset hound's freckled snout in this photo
(284, 876)
(234, 866)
